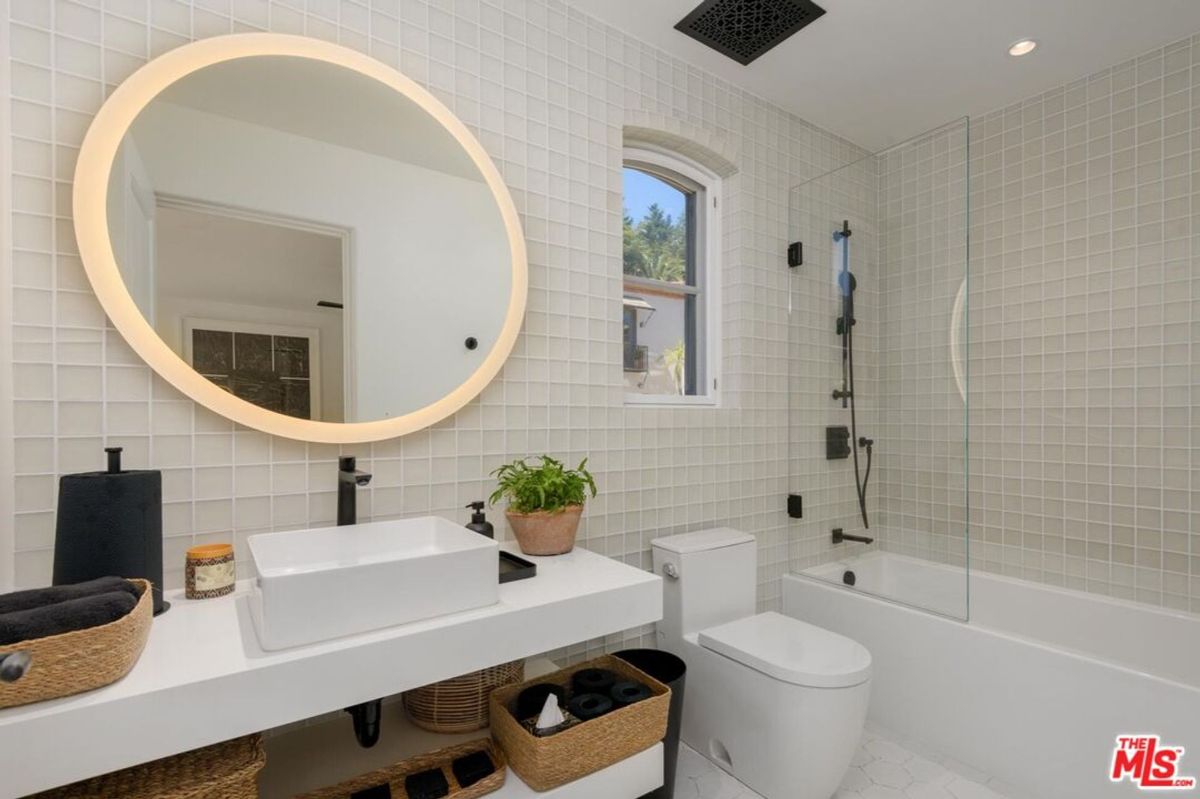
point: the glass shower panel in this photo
(878, 373)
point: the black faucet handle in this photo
(347, 463)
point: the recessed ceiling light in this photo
(1022, 47)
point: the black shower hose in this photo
(860, 484)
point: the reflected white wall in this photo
(419, 240)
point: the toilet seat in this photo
(790, 650)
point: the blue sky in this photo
(642, 191)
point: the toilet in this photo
(776, 702)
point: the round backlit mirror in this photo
(300, 238)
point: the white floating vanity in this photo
(204, 677)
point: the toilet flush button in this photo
(671, 571)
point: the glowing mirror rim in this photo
(89, 197)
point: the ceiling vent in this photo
(745, 29)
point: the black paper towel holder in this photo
(110, 523)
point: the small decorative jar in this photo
(209, 572)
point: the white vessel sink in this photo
(314, 585)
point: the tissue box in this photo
(554, 760)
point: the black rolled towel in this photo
(470, 769)
(589, 706)
(429, 784)
(65, 617)
(592, 681)
(37, 597)
(626, 693)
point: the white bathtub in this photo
(1034, 689)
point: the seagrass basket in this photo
(79, 661)
(460, 704)
(547, 762)
(227, 770)
(394, 775)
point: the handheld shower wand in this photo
(845, 327)
(846, 286)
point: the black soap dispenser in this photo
(479, 522)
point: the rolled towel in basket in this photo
(65, 617)
(37, 597)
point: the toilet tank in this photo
(709, 577)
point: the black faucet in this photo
(366, 716)
(839, 536)
(349, 479)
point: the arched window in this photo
(670, 311)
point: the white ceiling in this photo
(881, 71)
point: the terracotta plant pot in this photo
(544, 532)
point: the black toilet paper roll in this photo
(589, 706)
(627, 693)
(531, 701)
(592, 681)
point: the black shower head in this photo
(847, 283)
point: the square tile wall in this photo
(547, 90)
(922, 436)
(1083, 306)
(1084, 344)
(1085, 333)
(1084, 364)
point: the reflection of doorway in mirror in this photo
(273, 366)
(247, 273)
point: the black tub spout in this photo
(839, 537)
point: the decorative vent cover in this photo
(745, 29)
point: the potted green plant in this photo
(544, 502)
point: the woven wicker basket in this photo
(79, 661)
(226, 770)
(545, 763)
(394, 775)
(460, 704)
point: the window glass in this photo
(663, 291)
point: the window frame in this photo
(706, 264)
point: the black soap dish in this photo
(513, 568)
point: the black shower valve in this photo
(837, 443)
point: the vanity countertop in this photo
(203, 678)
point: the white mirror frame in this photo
(96, 157)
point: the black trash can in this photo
(672, 672)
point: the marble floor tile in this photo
(884, 767)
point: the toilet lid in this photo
(791, 650)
